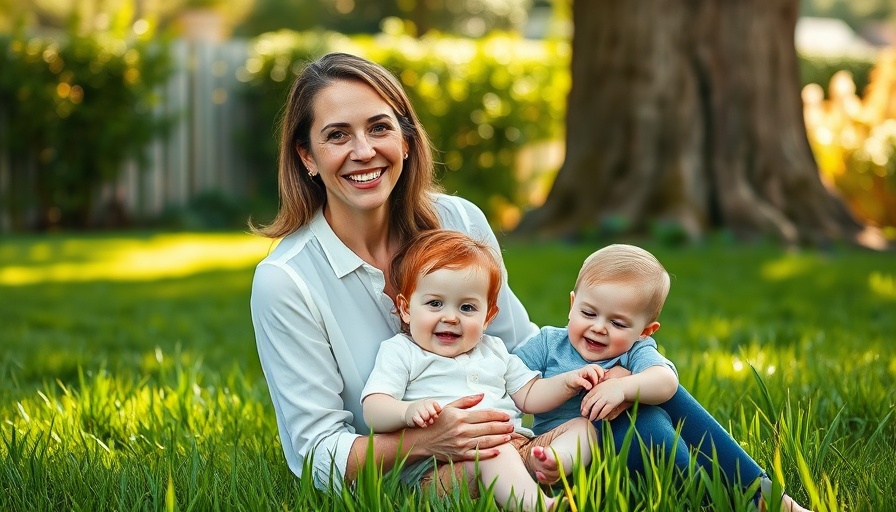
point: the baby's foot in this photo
(788, 504)
(547, 469)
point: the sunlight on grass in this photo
(883, 285)
(787, 267)
(721, 364)
(167, 255)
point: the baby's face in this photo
(605, 320)
(447, 312)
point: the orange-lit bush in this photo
(854, 140)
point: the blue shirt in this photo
(551, 353)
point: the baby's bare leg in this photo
(513, 483)
(574, 440)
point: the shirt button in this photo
(474, 377)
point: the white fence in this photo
(201, 152)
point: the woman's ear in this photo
(307, 159)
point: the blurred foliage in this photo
(480, 100)
(854, 140)
(819, 69)
(73, 110)
(854, 12)
(469, 18)
(249, 18)
(96, 15)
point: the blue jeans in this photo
(656, 425)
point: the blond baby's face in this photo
(447, 312)
(606, 319)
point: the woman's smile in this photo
(365, 179)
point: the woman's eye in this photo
(380, 127)
(335, 136)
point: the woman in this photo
(356, 181)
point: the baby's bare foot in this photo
(547, 469)
(789, 504)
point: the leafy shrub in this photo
(854, 140)
(480, 100)
(73, 110)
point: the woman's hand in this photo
(459, 434)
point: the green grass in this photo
(129, 378)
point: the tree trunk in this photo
(689, 112)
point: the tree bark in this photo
(689, 112)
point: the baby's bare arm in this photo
(543, 395)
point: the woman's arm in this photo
(302, 374)
(458, 435)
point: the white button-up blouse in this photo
(320, 314)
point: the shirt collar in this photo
(341, 258)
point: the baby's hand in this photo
(422, 413)
(601, 401)
(594, 374)
(585, 377)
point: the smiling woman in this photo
(356, 182)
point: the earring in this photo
(310, 174)
(405, 156)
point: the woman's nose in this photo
(362, 149)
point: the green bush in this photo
(73, 110)
(818, 69)
(480, 100)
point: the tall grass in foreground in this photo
(129, 380)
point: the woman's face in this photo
(356, 147)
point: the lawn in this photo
(129, 378)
